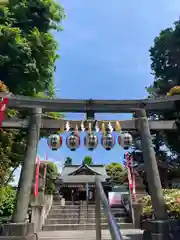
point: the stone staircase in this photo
(80, 217)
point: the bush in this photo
(51, 177)
(172, 200)
(174, 91)
(7, 199)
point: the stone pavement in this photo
(128, 234)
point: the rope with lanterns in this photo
(108, 141)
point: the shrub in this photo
(172, 200)
(7, 199)
(51, 177)
(174, 91)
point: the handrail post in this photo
(98, 215)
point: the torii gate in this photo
(90, 107)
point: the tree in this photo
(68, 161)
(117, 172)
(88, 160)
(12, 144)
(28, 48)
(166, 68)
(51, 177)
(27, 64)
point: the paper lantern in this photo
(125, 140)
(91, 141)
(73, 142)
(108, 141)
(54, 142)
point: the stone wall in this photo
(40, 206)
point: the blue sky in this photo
(104, 55)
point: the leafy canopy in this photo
(88, 160)
(166, 69)
(68, 161)
(51, 177)
(117, 172)
(27, 47)
(28, 52)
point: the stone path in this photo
(128, 234)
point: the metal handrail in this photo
(102, 199)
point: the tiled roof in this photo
(68, 171)
(98, 169)
(81, 179)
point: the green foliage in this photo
(27, 64)
(88, 160)
(116, 171)
(172, 200)
(68, 161)
(28, 49)
(7, 198)
(166, 68)
(51, 177)
(12, 146)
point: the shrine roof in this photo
(96, 169)
(82, 179)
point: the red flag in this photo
(128, 170)
(133, 178)
(36, 186)
(3, 104)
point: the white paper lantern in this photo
(73, 142)
(108, 141)
(54, 142)
(125, 140)
(91, 141)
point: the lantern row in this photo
(73, 141)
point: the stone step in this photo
(61, 215)
(128, 234)
(67, 210)
(59, 206)
(81, 220)
(70, 215)
(55, 202)
(92, 226)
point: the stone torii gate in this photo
(35, 122)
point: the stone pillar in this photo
(37, 211)
(27, 171)
(17, 231)
(151, 168)
(137, 210)
(161, 230)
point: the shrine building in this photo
(77, 182)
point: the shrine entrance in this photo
(82, 195)
(140, 124)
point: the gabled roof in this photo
(70, 170)
(84, 167)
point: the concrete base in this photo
(161, 230)
(137, 210)
(17, 231)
